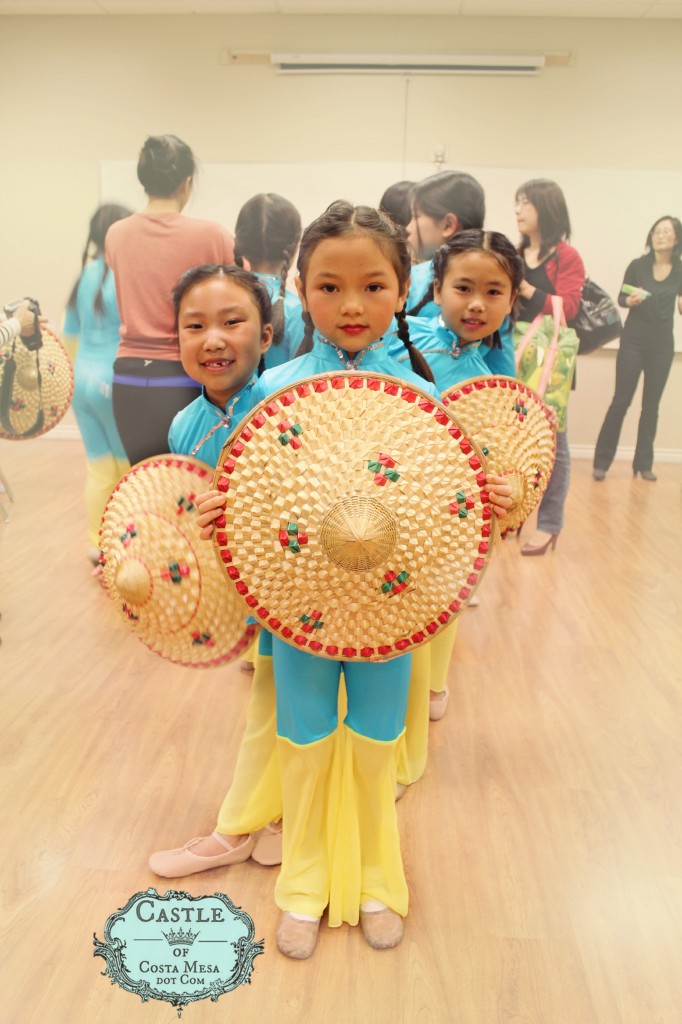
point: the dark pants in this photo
(654, 360)
(147, 393)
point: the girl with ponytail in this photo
(267, 235)
(91, 329)
(442, 204)
(343, 221)
(476, 277)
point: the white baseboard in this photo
(64, 432)
(625, 453)
(70, 432)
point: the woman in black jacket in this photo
(652, 284)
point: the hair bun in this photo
(165, 162)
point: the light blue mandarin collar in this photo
(219, 423)
(325, 358)
(434, 336)
(337, 357)
(449, 339)
(225, 414)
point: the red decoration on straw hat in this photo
(513, 427)
(36, 386)
(162, 577)
(357, 524)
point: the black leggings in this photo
(654, 360)
(147, 393)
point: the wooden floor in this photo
(543, 846)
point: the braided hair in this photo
(267, 232)
(342, 219)
(100, 222)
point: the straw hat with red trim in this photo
(162, 577)
(513, 427)
(36, 387)
(357, 522)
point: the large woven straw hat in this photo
(356, 523)
(512, 426)
(36, 387)
(162, 577)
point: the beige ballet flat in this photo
(297, 939)
(180, 862)
(382, 929)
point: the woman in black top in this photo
(652, 284)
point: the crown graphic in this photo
(180, 938)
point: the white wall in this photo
(78, 92)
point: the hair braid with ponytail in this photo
(267, 233)
(100, 222)
(341, 219)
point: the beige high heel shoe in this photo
(540, 549)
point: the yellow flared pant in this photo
(255, 795)
(430, 665)
(102, 475)
(341, 840)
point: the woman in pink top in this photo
(148, 253)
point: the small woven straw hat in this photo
(160, 574)
(36, 387)
(356, 522)
(511, 424)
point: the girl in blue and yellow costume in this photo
(442, 205)
(341, 844)
(223, 320)
(476, 277)
(266, 237)
(91, 331)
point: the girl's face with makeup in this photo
(351, 291)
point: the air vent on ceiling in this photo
(407, 64)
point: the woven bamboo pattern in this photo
(511, 424)
(357, 522)
(161, 576)
(43, 380)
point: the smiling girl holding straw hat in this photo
(223, 318)
(476, 276)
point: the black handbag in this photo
(597, 320)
